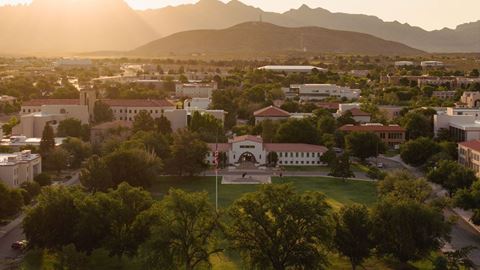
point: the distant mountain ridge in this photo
(259, 37)
(112, 25)
(214, 14)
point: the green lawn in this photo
(337, 191)
(306, 168)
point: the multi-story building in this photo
(444, 94)
(357, 114)
(462, 123)
(404, 63)
(195, 90)
(20, 167)
(391, 112)
(252, 149)
(270, 113)
(322, 91)
(292, 69)
(470, 100)
(392, 135)
(427, 64)
(469, 155)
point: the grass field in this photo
(337, 191)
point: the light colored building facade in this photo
(292, 69)
(252, 149)
(195, 90)
(20, 167)
(270, 113)
(322, 91)
(470, 100)
(444, 94)
(197, 103)
(462, 123)
(427, 64)
(469, 155)
(404, 63)
(73, 63)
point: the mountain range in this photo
(265, 38)
(93, 25)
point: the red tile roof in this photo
(247, 138)
(358, 112)
(138, 103)
(271, 111)
(294, 147)
(222, 147)
(110, 102)
(373, 128)
(52, 101)
(474, 145)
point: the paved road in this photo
(15, 233)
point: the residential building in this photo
(322, 91)
(195, 90)
(292, 69)
(17, 168)
(469, 155)
(357, 114)
(252, 150)
(391, 135)
(444, 94)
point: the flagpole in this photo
(216, 171)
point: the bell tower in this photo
(88, 97)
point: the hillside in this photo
(214, 14)
(72, 26)
(256, 37)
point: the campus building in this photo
(391, 135)
(469, 155)
(276, 114)
(252, 150)
(322, 91)
(195, 90)
(17, 168)
(292, 69)
(462, 123)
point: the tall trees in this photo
(418, 125)
(407, 229)
(184, 232)
(134, 166)
(143, 121)
(353, 234)
(207, 127)
(340, 166)
(364, 144)
(163, 125)
(451, 176)
(417, 152)
(268, 224)
(297, 131)
(47, 143)
(188, 154)
(96, 176)
(73, 128)
(78, 150)
(11, 201)
(102, 112)
(469, 198)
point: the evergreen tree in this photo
(47, 144)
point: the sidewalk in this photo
(10, 226)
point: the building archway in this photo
(476, 103)
(247, 157)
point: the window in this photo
(130, 111)
(280, 154)
(63, 111)
(247, 146)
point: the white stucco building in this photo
(463, 123)
(195, 90)
(252, 149)
(469, 155)
(431, 64)
(292, 69)
(322, 91)
(17, 168)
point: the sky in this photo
(428, 14)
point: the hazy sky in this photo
(429, 14)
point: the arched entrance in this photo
(477, 103)
(247, 157)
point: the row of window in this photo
(133, 111)
(297, 154)
(298, 162)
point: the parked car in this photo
(380, 165)
(20, 245)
